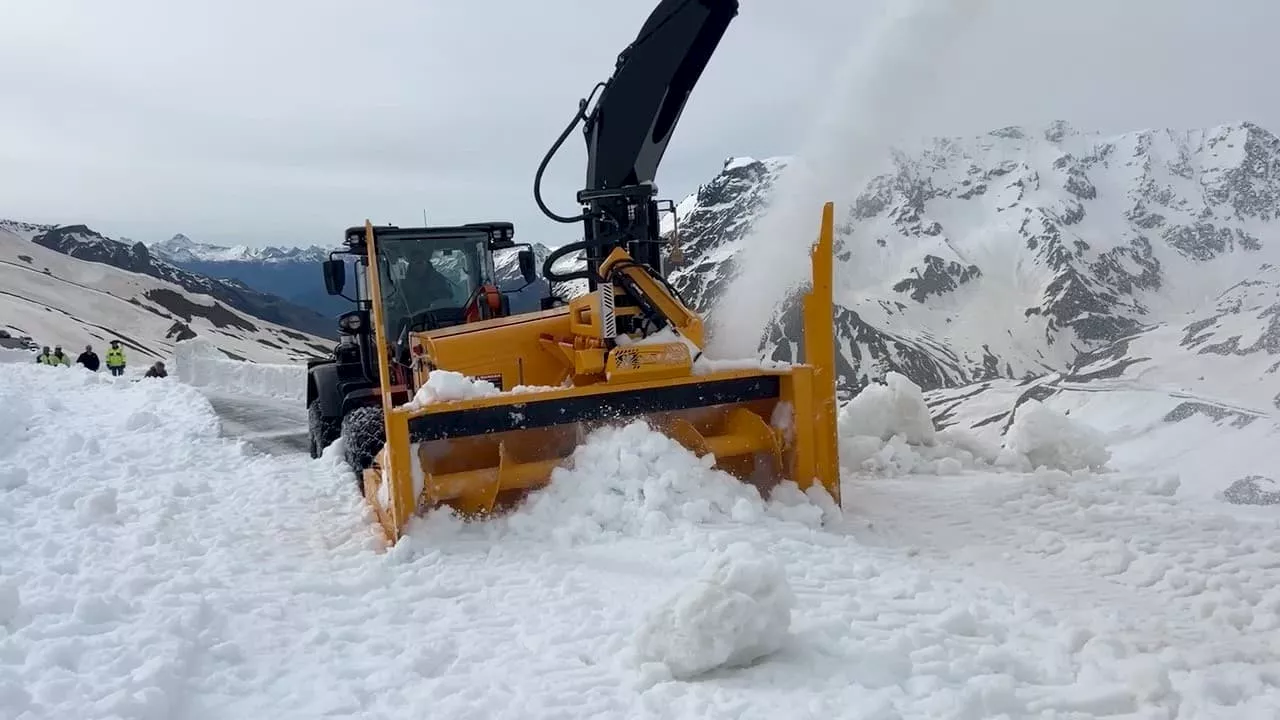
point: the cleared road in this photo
(272, 426)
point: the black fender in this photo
(323, 386)
(360, 396)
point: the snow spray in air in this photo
(875, 95)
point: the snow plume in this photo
(874, 99)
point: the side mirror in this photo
(527, 265)
(335, 276)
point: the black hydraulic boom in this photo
(627, 132)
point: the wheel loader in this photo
(431, 277)
(628, 348)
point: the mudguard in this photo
(323, 385)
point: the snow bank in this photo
(737, 611)
(887, 430)
(1043, 437)
(17, 355)
(199, 363)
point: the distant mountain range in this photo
(294, 273)
(182, 249)
(73, 287)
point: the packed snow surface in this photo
(150, 568)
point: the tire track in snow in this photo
(1124, 561)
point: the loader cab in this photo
(429, 278)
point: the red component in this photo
(486, 304)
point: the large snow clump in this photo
(737, 611)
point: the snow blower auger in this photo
(628, 347)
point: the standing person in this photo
(59, 357)
(89, 359)
(115, 358)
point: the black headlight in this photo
(351, 323)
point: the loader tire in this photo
(322, 431)
(362, 437)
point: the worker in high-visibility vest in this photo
(57, 357)
(115, 358)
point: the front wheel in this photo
(363, 436)
(321, 431)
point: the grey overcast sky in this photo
(285, 121)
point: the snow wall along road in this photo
(200, 364)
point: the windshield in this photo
(429, 274)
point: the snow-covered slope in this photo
(1009, 254)
(180, 249)
(60, 299)
(82, 242)
(1197, 396)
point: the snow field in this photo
(199, 363)
(163, 571)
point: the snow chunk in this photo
(1043, 437)
(704, 365)
(447, 385)
(98, 507)
(886, 429)
(882, 411)
(736, 612)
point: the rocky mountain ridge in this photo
(1013, 253)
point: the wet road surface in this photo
(272, 426)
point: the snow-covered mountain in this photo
(1197, 396)
(84, 243)
(57, 286)
(1012, 253)
(182, 249)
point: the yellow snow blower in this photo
(627, 347)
